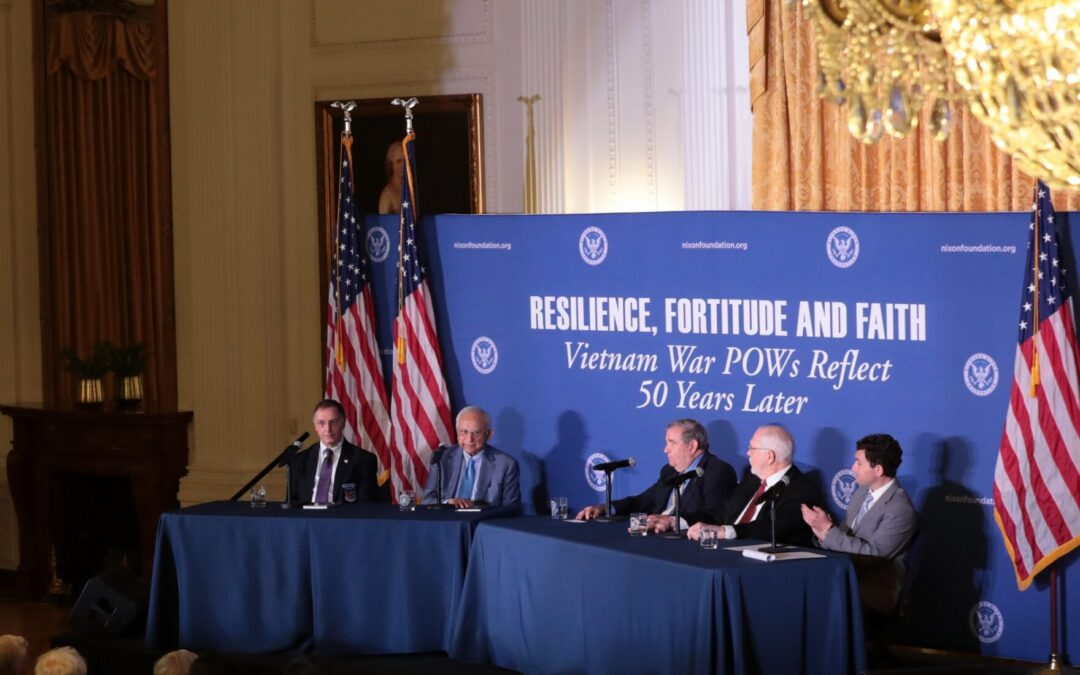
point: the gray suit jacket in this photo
(885, 531)
(880, 541)
(497, 483)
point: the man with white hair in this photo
(13, 649)
(473, 473)
(746, 515)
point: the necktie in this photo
(671, 499)
(322, 491)
(465, 491)
(863, 509)
(748, 514)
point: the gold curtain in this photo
(805, 159)
(106, 236)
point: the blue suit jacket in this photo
(496, 485)
(701, 494)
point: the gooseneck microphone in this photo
(776, 491)
(680, 478)
(281, 460)
(617, 464)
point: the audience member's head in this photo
(12, 653)
(176, 662)
(60, 661)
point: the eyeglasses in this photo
(759, 448)
(469, 433)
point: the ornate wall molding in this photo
(325, 17)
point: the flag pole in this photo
(1054, 666)
(407, 105)
(346, 108)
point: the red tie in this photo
(748, 514)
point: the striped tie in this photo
(863, 509)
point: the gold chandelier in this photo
(1019, 62)
(884, 60)
(1016, 64)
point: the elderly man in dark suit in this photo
(880, 522)
(333, 468)
(686, 445)
(745, 515)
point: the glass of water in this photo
(710, 537)
(559, 508)
(639, 524)
(406, 500)
(258, 497)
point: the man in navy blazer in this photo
(473, 473)
(347, 468)
(745, 515)
(686, 445)
(880, 522)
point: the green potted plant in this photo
(128, 363)
(89, 371)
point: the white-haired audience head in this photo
(13, 650)
(60, 661)
(177, 662)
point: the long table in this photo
(354, 579)
(545, 596)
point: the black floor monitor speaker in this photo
(109, 605)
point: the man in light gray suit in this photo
(879, 524)
(472, 473)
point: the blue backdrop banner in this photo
(584, 335)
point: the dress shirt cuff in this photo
(729, 532)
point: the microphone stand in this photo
(772, 522)
(607, 517)
(438, 505)
(677, 533)
(280, 460)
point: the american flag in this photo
(420, 404)
(1036, 481)
(354, 374)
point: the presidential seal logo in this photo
(987, 623)
(378, 244)
(843, 486)
(596, 479)
(593, 245)
(842, 247)
(485, 355)
(981, 374)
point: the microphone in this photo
(288, 452)
(611, 466)
(774, 493)
(683, 477)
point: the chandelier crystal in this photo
(884, 60)
(1019, 63)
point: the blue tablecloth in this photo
(355, 579)
(544, 596)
